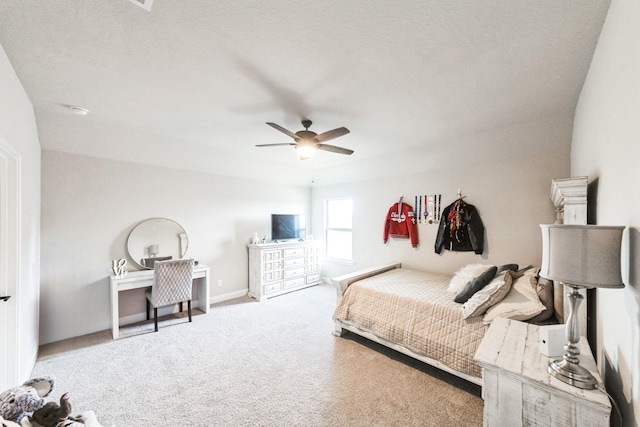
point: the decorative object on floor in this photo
(52, 413)
(119, 267)
(401, 223)
(579, 256)
(172, 283)
(307, 142)
(86, 419)
(460, 228)
(19, 401)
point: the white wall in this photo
(507, 177)
(18, 129)
(606, 147)
(89, 205)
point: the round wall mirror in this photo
(156, 239)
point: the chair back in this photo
(172, 282)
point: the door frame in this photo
(10, 250)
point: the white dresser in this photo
(278, 268)
(518, 391)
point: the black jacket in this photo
(462, 232)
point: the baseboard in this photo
(231, 295)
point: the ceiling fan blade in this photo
(331, 134)
(275, 145)
(283, 130)
(334, 149)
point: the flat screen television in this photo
(288, 227)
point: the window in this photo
(338, 232)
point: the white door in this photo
(9, 264)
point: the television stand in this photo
(281, 267)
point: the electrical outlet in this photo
(219, 282)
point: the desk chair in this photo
(172, 283)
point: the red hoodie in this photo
(401, 223)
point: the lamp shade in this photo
(582, 255)
(154, 249)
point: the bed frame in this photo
(341, 283)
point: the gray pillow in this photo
(510, 267)
(476, 284)
(544, 289)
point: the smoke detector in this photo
(145, 4)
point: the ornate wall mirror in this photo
(156, 239)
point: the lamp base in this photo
(572, 374)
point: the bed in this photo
(414, 312)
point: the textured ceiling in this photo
(191, 83)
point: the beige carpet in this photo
(248, 363)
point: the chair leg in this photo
(180, 306)
(148, 308)
(155, 317)
(189, 308)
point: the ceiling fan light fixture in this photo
(305, 151)
(308, 142)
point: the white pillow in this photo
(521, 303)
(465, 275)
(494, 292)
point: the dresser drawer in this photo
(294, 272)
(272, 287)
(313, 278)
(292, 283)
(293, 252)
(292, 262)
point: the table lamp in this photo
(579, 256)
(153, 250)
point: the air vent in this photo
(145, 4)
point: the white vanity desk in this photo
(144, 279)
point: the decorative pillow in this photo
(465, 275)
(558, 302)
(491, 294)
(544, 289)
(510, 267)
(521, 303)
(476, 284)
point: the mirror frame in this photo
(145, 235)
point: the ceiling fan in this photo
(307, 142)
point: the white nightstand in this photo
(518, 391)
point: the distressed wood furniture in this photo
(278, 268)
(518, 391)
(144, 279)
